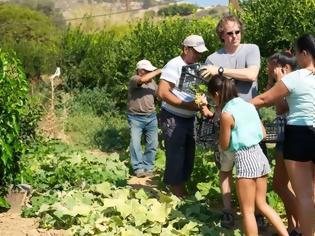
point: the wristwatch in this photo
(220, 70)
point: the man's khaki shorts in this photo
(226, 160)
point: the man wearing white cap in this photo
(142, 118)
(177, 116)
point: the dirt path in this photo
(12, 224)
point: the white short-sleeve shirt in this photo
(301, 101)
(171, 72)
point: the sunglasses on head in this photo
(230, 33)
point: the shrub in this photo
(105, 61)
(13, 96)
(32, 35)
(180, 9)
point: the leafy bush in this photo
(32, 35)
(44, 168)
(94, 100)
(47, 7)
(103, 60)
(178, 9)
(13, 96)
(275, 25)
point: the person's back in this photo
(251, 164)
(247, 130)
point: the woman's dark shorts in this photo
(179, 141)
(299, 143)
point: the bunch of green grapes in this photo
(200, 90)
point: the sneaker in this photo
(261, 222)
(140, 173)
(148, 173)
(295, 233)
(227, 220)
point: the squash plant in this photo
(13, 94)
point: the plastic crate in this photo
(272, 133)
(274, 130)
(206, 131)
(190, 79)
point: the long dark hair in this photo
(283, 58)
(225, 87)
(307, 43)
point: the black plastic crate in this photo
(190, 78)
(274, 130)
(206, 131)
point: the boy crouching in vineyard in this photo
(241, 131)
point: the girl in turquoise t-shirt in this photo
(241, 131)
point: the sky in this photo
(205, 3)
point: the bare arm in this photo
(205, 111)
(146, 78)
(164, 93)
(247, 74)
(270, 97)
(263, 130)
(226, 124)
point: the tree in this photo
(275, 25)
(180, 9)
(13, 97)
(33, 36)
(46, 7)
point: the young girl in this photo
(299, 89)
(280, 64)
(241, 131)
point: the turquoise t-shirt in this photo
(301, 100)
(247, 125)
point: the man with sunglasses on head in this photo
(177, 116)
(241, 62)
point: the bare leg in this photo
(301, 175)
(282, 186)
(226, 186)
(271, 214)
(246, 191)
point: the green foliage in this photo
(268, 114)
(87, 204)
(13, 96)
(46, 7)
(95, 122)
(178, 9)
(103, 60)
(108, 133)
(275, 25)
(32, 35)
(44, 168)
(94, 100)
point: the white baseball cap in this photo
(196, 42)
(145, 65)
